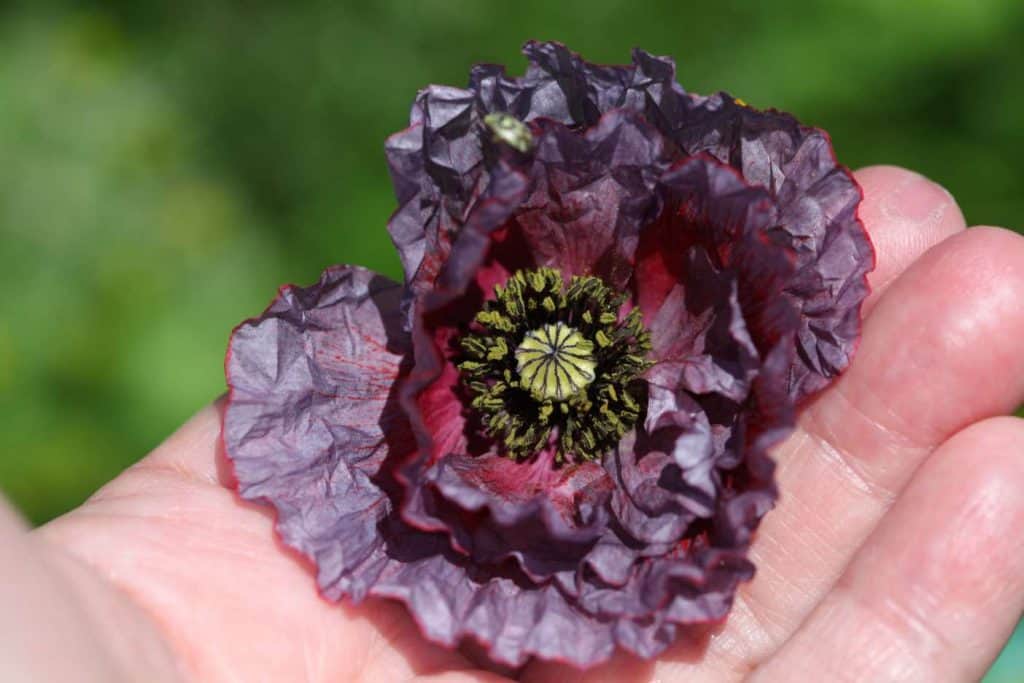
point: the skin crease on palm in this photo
(894, 552)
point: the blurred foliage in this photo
(167, 165)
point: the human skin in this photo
(894, 552)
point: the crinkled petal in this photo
(313, 414)
(452, 598)
(710, 277)
(438, 163)
(710, 281)
(697, 588)
(592, 195)
(817, 197)
(546, 519)
(735, 234)
(312, 420)
(588, 198)
(561, 86)
(818, 200)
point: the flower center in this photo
(555, 362)
(555, 365)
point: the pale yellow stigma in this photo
(555, 362)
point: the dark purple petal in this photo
(512, 618)
(817, 201)
(312, 415)
(312, 419)
(710, 281)
(495, 509)
(438, 164)
(817, 197)
(592, 195)
(588, 198)
(697, 588)
(733, 231)
(561, 86)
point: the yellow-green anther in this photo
(555, 362)
(549, 362)
(537, 280)
(498, 351)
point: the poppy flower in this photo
(553, 437)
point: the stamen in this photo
(551, 363)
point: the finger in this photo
(942, 354)
(36, 612)
(233, 604)
(937, 589)
(61, 622)
(906, 214)
(192, 451)
(939, 352)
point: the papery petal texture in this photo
(312, 416)
(311, 427)
(817, 196)
(588, 197)
(730, 234)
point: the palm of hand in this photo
(892, 553)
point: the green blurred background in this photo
(164, 166)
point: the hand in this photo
(894, 553)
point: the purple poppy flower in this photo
(553, 437)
